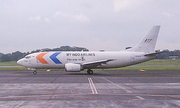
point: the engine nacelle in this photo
(72, 67)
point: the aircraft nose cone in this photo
(20, 62)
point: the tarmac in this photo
(103, 89)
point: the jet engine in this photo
(72, 67)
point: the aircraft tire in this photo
(90, 72)
(34, 72)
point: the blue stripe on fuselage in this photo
(54, 59)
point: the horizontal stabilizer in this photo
(153, 54)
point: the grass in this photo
(13, 68)
(157, 64)
(12, 63)
(148, 68)
(161, 62)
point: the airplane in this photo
(76, 61)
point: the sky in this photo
(110, 25)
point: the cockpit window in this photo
(28, 57)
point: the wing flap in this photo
(96, 63)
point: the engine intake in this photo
(72, 67)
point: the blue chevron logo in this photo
(54, 59)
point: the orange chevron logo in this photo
(41, 59)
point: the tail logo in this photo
(148, 40)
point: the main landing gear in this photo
(34, 72)
(90, 72)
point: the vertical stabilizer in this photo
(147, 44)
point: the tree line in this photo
(14, 56)
(166, 54)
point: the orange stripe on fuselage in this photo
(41, 59)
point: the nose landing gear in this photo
(34, 70)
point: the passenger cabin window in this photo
(28, 57)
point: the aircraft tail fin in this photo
(147, 44)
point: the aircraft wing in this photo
(96, 63)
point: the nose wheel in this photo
(90, 72)
(35, 72)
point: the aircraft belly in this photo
(43, 66)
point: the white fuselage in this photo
(59, 59)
